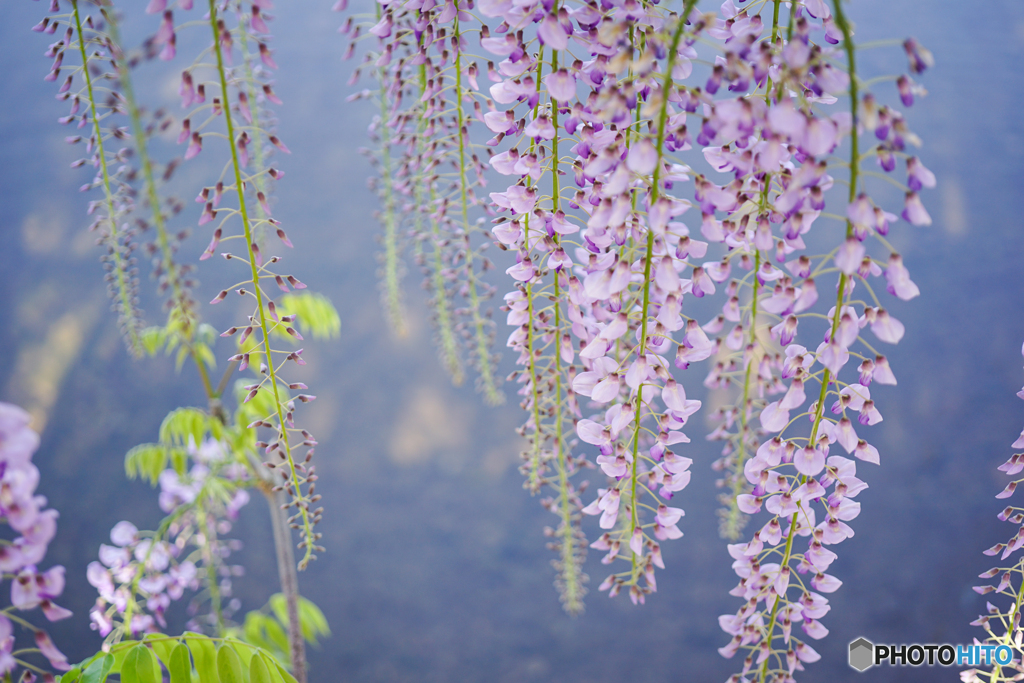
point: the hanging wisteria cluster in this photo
(614, 229)
(431, 174)
(215, 89)
(637, 164)
(1002, 622)
(96, 100)
(33, 528)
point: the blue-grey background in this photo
(436, 568)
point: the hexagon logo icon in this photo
(862, 654)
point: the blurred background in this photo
(435, 567)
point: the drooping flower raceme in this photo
(237, 94)
(596, 94)
(775, 143)
(33, 527)
(431, 171)
(95, 103)
(600, 269)
(1002, 622)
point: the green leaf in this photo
(146, 460)
(276, 670)
(277, 634)
(179, 461)
(258, 671)
(180, 360)
(120, 652)
(98, 671)
(311, 619)
(179, 665)
(204, 654)
(205, 354)
(279, 605)
(283, 673)
(314, 623)
(229, 666)
(161, 645)
(149, 666)
(206, 334)
(216, 429)
(316, 314)
(140, 666)
(153, 338)
(265, 632)
(245, 651)
(181, 424)
(130, 667)
(252, 629)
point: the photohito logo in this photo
(864, 654)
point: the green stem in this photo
(185, 317)
(157, 535)
(141, 147)
(257, 131)
(731, 526)
(535, 480)
(209, 537)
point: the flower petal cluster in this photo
(792, 439)
(1003, 623)
(143, 572)
(613, 229)
(601, 271)
(34, 527)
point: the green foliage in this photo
(181, 424)
(266, 632)
(161, 645)
(316, 314)
(258, 671)
(98, 670)
(146, 460)
(153, 339)
(180, 429)
(268, 628)
(204, 655)
(176, 336)
(229, 666)
(179, 665)
(140, 666)
(190, 658)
